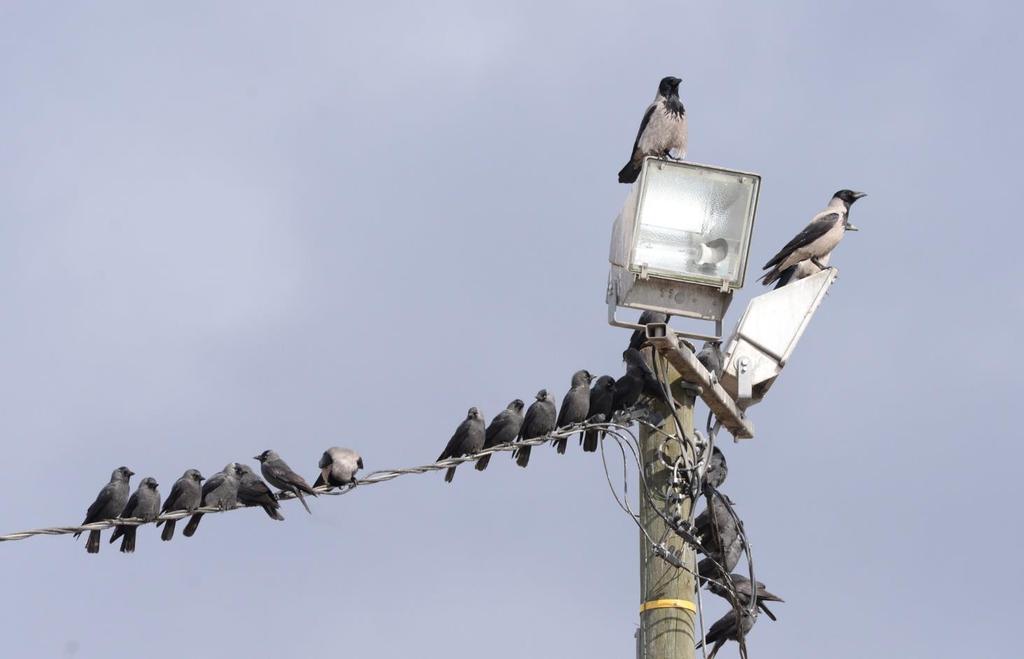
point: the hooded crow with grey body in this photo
(504, 429)
(539, 421)
(186, 494)
(818, 238)
(467, 440)
(575, 406)
(639, 337)
(280, 475)
(338, 467)
(741, 586)
(252, 491)
(108, 505)
(219, 491)
(731, 627)
(662, 130)
(601, 398)
(144, 504)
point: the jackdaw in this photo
(539, 421)
(252, 491)
(818, 238)
(601, 399)
(741, 587)
(662, 130)
(711, 357)
(467, 440)
(144, 503)
(219, 491)
(731, 627)
(716, 526)
(503, 430)
(186, 494)
(638, 380)
(108, 505)
(639, 337)
(728, 559)
(718, 469)
(280, 475)
(338, 467)
(575, 406)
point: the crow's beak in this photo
(859, 195)
(850, 227)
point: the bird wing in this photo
(131, 506)
(98, 506)
(454, 447)
(818, 227)
(211, 484)
(499, 423)
(643, 124)
(172, 498)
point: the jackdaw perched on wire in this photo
(219, 491)
(504, 429)
(601, 398)
(575, 406)
(718, 469)
(638, 381)
(662, 130)
(539, 421)
(716, 526)
(252, 491)
(741, 587)
(280, 475)
(639, 337)
(467, 440)
(711, 357)
(818, 238)
(186, 494)
(144, 503)
(731, 627)
(728, 560)
(338, 467)
(108, 505)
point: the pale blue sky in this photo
(237, 226)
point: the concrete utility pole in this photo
(668, 610)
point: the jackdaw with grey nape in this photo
(186, 494)
(144, 504)
(539, 421)
(575, 406)
(108, 505)
(280, 475)
(504, 429)
(219, 491)
(467, 440)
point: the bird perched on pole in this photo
(818, 238)
(504, 429)
(662, 130)
(144, 503)
(601, 398)
(108, 505)
(219, 491)
(718, 469)
(539, 421)
(338, 467)
(186, 494)
(711, 357)
(467, 439)
(732, 626)
(742, 590)
(280, 475)
(639, 336)
(575, 406)
(252, 491)
(716, 526)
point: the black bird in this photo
(280, 475)
(186, 494)
(575, 406)
(108, 505)
(802, 270)
(338, 467)
(731, 627)
(252, 491)
(638, 381)
(728, 559)
(718, 469)
(539, 421)
(601, 398)
(219, 491)
(662, 130)
(741, 586)
(144, 503)
(711, 357)
(504, 429)
(716, 526)
(467, 440)
(639, 337)
(818, 238)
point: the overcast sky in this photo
(238, 226)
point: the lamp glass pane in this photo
(694, 223)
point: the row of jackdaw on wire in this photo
(664, 133)
(235, 484)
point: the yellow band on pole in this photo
(669, 604)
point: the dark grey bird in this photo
(716, 526)
(662, 130)
(718, 469)
(818, 238)
(539, 421)
(280, 475)
(575, 406)
(741, 586)
(728, 559)
(731, 627)
(711, 357)
(186, 494)
(252, 491)
(504, 429)
(144, 503)
(219, 491)
(467, 440)
(638, 381)
(802, 270)
(601, 398)
(639, 337)
(338, 467)
(108, 505)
